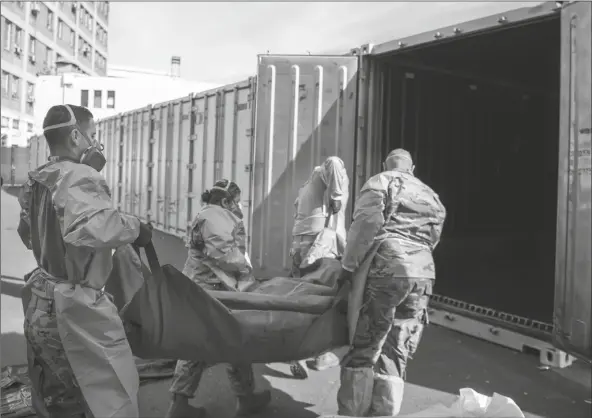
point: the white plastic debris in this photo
(470, 404)
(473, 404)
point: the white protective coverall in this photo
(79, 359)
(328, 182)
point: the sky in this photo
(219, 42)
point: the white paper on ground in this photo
(470, 404)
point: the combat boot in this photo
(299, 369)
(180, 408)
(253, 403)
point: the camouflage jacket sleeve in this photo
(438, 225)
(222, 247)
(83, 203)
(335, 178)
(24, 226)
(367, 222)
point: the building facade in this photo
(121, 90)
(46, 38)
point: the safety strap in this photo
(328, 220)
(152, 258)
(71, 122)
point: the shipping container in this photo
(161, 158)
(496, 113)
(15, 164)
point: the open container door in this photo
(305, 112)
(573, 272)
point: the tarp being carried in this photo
(279, 320)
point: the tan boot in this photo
(252, 404)
(180, 408)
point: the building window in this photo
(30, 90)
(72, 38)
(29, 127)
(32, 48)
(110, 99)
(16, 123)
(18, 39)
(98, 102)
(84, 98)
(5, 121)
(48, 57)
(16, 87)
(20, 4)
(7, 35)
(4, 84)
(50, 20)
(34, 11)
(60, 29)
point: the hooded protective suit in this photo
(397, 224)
(217, 260)
(79, 358)
(217, 248)
(328, 182)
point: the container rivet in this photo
(457, 31)
(401, 44)
(437, 35)
(502, 19)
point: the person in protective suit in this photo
(217, 260)
(397, 224)
(324, 194)
(67, 219)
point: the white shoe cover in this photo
(355, 393)
(387, 396)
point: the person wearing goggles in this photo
(217, 260)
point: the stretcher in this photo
(166, 315)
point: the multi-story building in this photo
(44, 38)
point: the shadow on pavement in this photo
(14, 349)
(448, 361)
(11, 289)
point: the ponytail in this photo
(206, 197)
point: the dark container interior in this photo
(481, 116)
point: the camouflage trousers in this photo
(54, 388)
(391, 323)
(188, 373)
(301, 245)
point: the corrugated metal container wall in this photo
(572, 330)
(306, 112)
(15, 164)
(161, 158)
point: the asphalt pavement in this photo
(445, 362)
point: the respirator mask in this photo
(237, 207)
(93, 155)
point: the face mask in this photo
(93, 155)
(238, 210)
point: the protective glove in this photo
(145, 236)
(335, 205)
